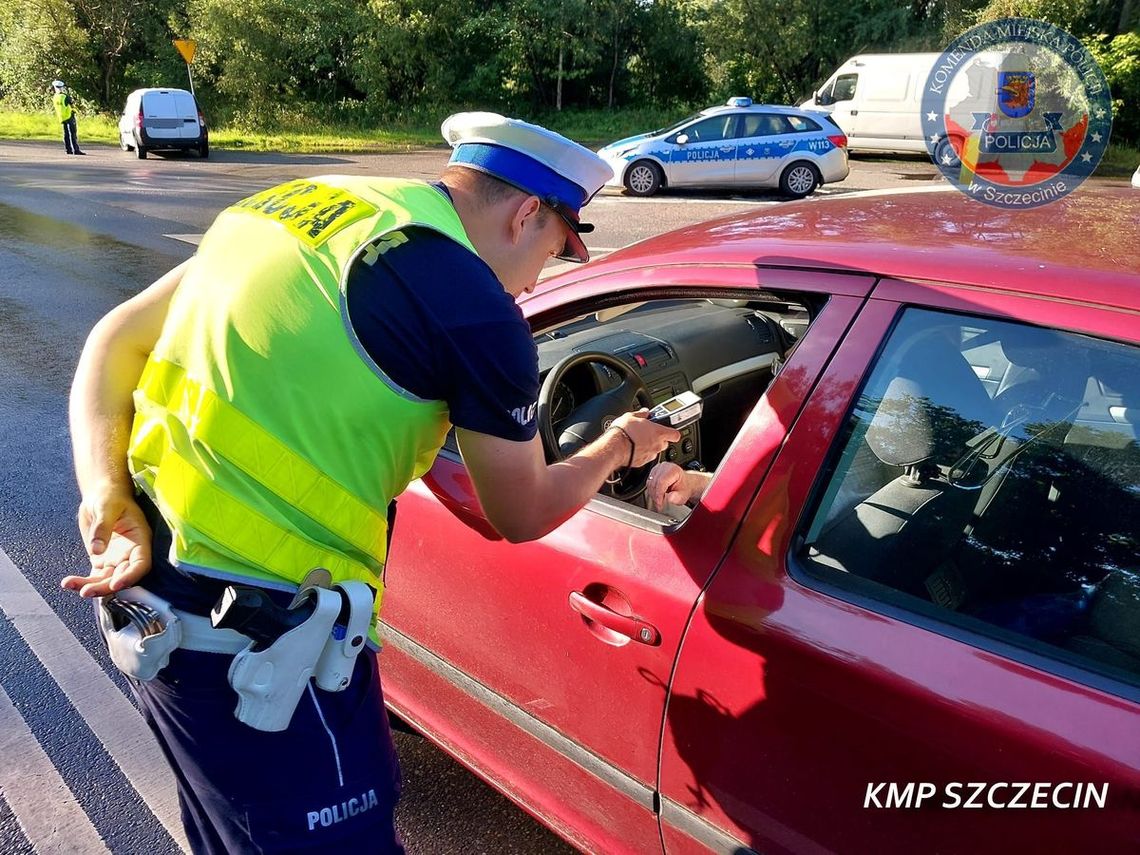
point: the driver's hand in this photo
(649, 438)
(669, 484)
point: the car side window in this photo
(802, 124)
(711, 129)
(989, 477)
(763, 125)
(844, 87)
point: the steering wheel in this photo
(590, 420)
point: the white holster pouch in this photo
(334, 668)
(270, 682)
(141, 631)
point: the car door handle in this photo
(630, 627)
(854, 112)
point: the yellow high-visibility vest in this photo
(266, 436)
(62, 108)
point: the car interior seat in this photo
(1019, 467)
(922, 422)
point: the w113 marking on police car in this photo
(327, 816)
(998, 795)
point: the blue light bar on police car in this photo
(739, 102)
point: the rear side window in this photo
(801, 124)
(763, 125)
(989, 477)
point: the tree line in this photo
(271, 62)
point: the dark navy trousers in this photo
(70, 141)
(330, 782)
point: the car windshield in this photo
(677, 125)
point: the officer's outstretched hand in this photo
(649, 439)
(118, 541)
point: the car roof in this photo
(157, 89)
(1083, 247)
(753, 108)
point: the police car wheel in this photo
(643, 178)
(799, 180)
(945, 155)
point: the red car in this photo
(905, 615)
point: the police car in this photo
(738, 145)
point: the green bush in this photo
(1119, 58)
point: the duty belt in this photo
(275, 650)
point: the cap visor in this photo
(574, 249)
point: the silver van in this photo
(163, 120)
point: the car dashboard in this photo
(724, 351)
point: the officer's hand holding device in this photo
(679, 411)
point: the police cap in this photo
(563, 174)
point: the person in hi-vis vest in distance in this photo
(65, 112)
(254, 414)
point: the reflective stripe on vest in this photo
(229, 433)
(186, 495)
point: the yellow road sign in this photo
(186, 47)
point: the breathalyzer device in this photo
(677, 412)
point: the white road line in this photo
(50, 817)
(111, 717)
(194, 239)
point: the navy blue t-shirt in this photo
(437, 321)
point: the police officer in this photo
(65, 112)
(288, 382)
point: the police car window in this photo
(763, 125)
(801, 125)
(710, 130)
(675, 125)
(845, 87)
(989, 477)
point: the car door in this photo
(491, 648)
(844, 110)
(819, 706)
(127, 120)
(160, 117)
(187, 112)
(763, 139)
(704, 153)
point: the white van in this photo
(162, 119)
(876, 98)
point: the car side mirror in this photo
(681, 139)
(823, 99)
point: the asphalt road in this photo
(77, 236)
